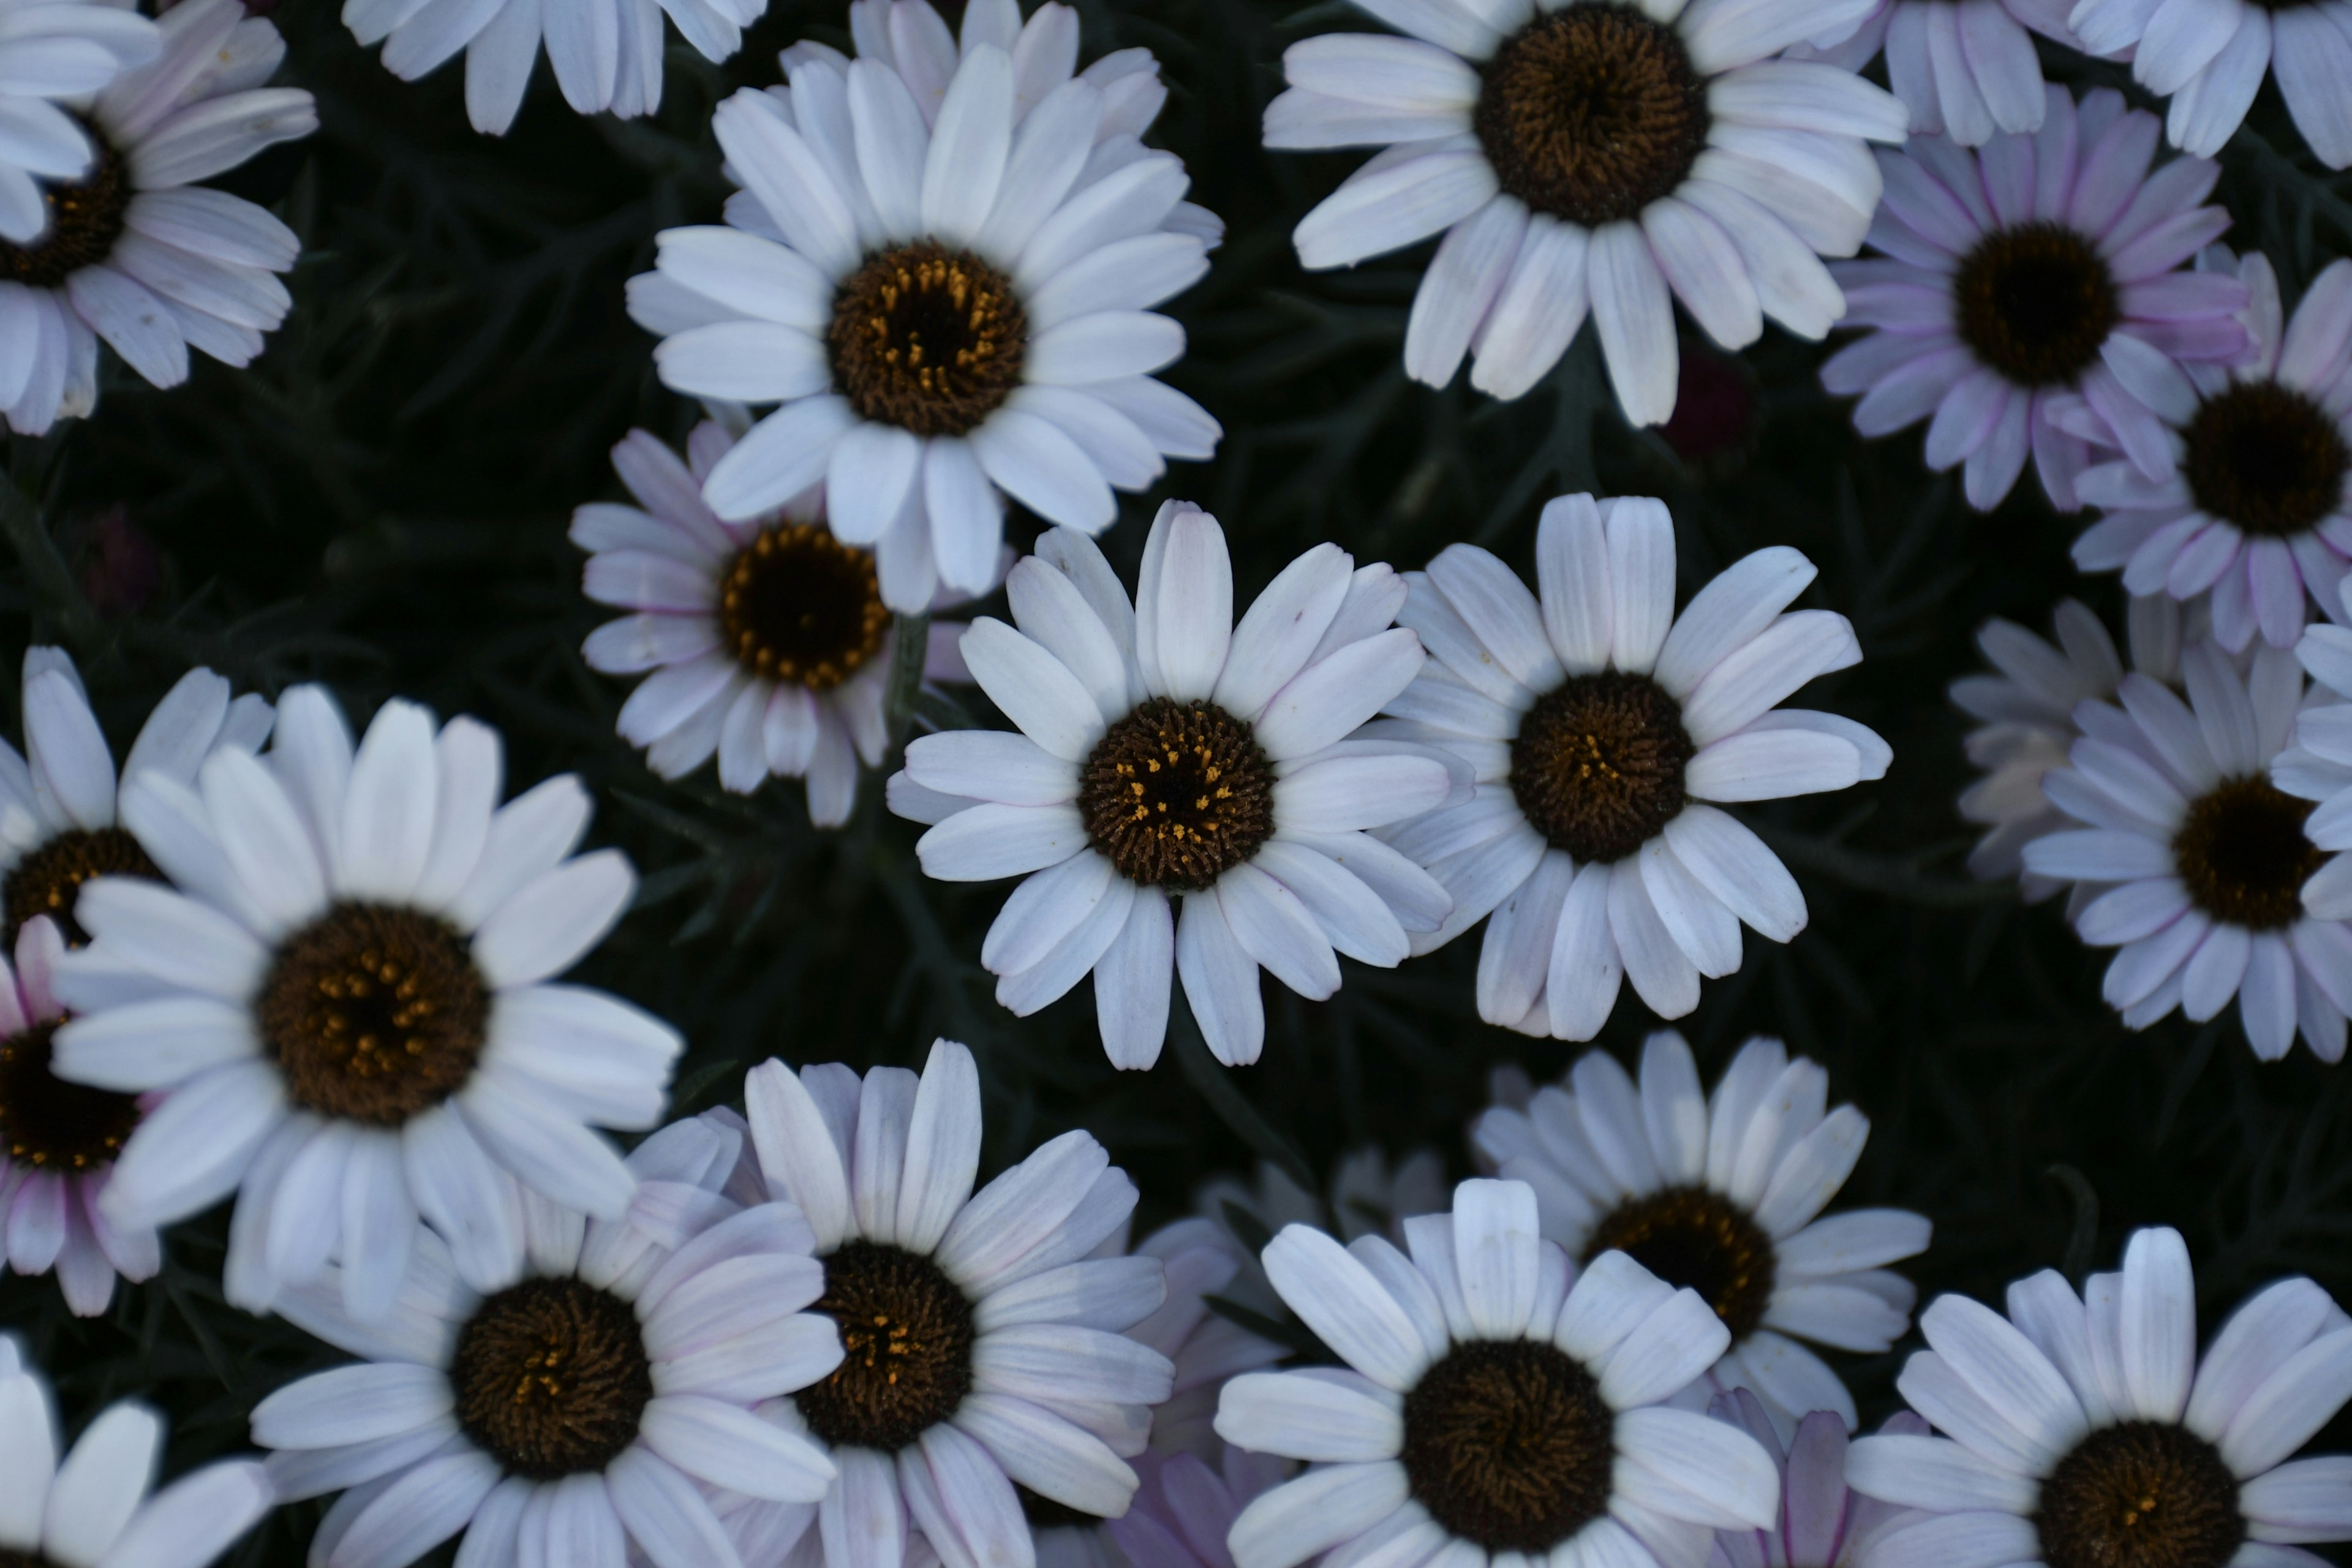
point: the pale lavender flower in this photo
(1821, 1524)
(1965, 68)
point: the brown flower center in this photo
(86, 219)
(799, 605)
(373, 1013)
(2143, 1494)
(1176, 792)
(2267, 459)
(1695, 1238)
(1597, 766)
(906, 1339)
(48, 880)
(1509, 1444)
(2036, 302)
(53, 1125)
(927, 339)
(1592, 112)
(551, 1378)
(2244, 856)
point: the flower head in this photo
(595, 1407)
(1722, 1193)
(1496, 1399)
(2257, 509)
(1168, 755)
(768, 639)
(347, 999)
(2319, 766)
(1822, 1523)
(1601, 727)
(2084, 1432)
(57, 54)
(941, 267)
(1967, 71)
(135, 252)
(2194, 860)
(2030, 298)
(1593, 156)
(2211, 60)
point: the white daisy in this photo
(2209, 57)
(942, 267)
(586, 1414)
(1168, 753)
(2318, 765)
(1592, 154)
(2257, 513)
(136, 252)
(94, 1507)
(2028, 719)
(1499, 1404)
(2082, 1432)
(984, 1335)
(1720, 1193)
(1963, 68)
(767, 638)
(2198, 859)
(347, 1000)
(1601, 726)
(54, 55)
(59, 810)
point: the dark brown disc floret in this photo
(1509, 1444)
(798, 606)
(1592, 113)
(86, 219)
(48, 880)
(373, 1013)
(2141, 1494)
(927, 339)
(1597, 766)
(2266, 459)
(2036, 302)
(53, 1125)
(907, 1336)
(1177, 793)
(551, 1378)
(1695, 1237)
(2243, 853)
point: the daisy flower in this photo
(2027, 715)
(2083, 1432)
(1185, 1508)
(2258, 506)
(2318, 765)
(348, 1002)
(1601, 727)
(2035, 275)
(982, 1331)
(94, 1506)
(584, 1412)
(1498, 1400)
(1822, 1523)
(2209, 56)
(941, 268)
(136, 252)
(2198, 859)
(1167, 754)
(1593, 155)
(58, 1145)
(1720, 1193)
(61, 810)
(767, 638)
(57, 54)
(1965, 68)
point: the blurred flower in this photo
(982, 1330)
(1497, 1401)
(2258, 508)
(1601, 725)
(1964, 70)
(60, 811)
(586, 1413)
(2197, 859)
(2028, 711)
(58, 1142)
(1167, 753)
(1365, 1197)
(347, 1000)
(2209, 56)
(1600, 155)
(93, 1507)
(2082, 1431)
(769, 640)
(1722, 1193)
(1821, 1524)
(942, 268)
(136, 252)
(57, 54)
(2030, 298)
(120, 564)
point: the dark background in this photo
(380, 503)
